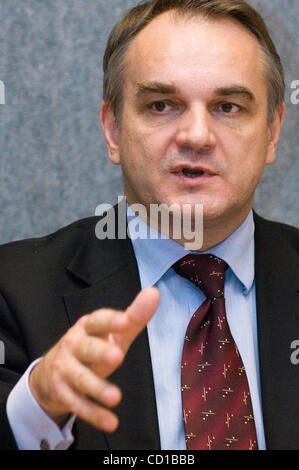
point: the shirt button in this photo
(44, 445)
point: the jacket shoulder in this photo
(58, 246)
(278, 231)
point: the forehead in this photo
(180, 50)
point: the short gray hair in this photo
(140, 16)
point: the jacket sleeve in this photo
(12, 365)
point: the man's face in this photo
(194, 127)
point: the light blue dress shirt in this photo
(179, 299)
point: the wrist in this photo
(60, 418)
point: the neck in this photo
(214, 234)
(199, 233)
(209, 233)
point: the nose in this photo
(195, 129)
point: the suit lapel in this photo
(277, 284)
(109, 272)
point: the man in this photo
(193, 108)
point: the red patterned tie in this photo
(217, 407)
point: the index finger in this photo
(137, 316)
(104, 321)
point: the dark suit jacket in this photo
(46, 284)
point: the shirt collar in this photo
(156, 255)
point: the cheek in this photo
(136, 158)
(246, 150)
(145, 148)
(245, 156)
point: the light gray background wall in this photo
(53, 164)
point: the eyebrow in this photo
(148, 88)
(235, 90)
(155, 87)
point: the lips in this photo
(192, 172)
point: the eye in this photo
(229, 108)
(160, 106)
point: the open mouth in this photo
(192, 173)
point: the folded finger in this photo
(104, 321)
(88, 410)
(85, 382)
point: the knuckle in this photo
(54, 366)
(105, 311)
(100, 315)
(57, 367)
(82, 321)
(70, 340)
(56, 390)
(90, 322)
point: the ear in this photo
(274, 133)
(110, 131)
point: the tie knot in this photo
(206, 271)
